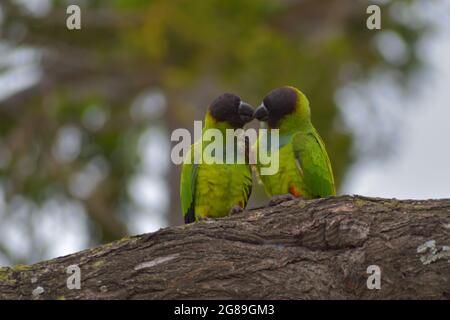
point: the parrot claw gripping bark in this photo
(304, 166)
(211, 190)
(235, 210)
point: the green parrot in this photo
(210, 190)
(304, 167)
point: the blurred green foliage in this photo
(191, 51)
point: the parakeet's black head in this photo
(231, 109)
(280, 103)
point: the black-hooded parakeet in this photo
(210, 190)
(304, 166)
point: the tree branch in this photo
(318, 249)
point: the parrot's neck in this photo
(294, 123)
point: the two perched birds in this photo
(210, 190)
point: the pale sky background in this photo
(415, 125)
(419, 166)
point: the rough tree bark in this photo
(318, 249)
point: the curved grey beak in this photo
(245, 112)
(261, 113)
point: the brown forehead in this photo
(283, 98)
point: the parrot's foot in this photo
(235, 210)
(276, 200)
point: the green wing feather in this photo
(187, 187)
(310, 152)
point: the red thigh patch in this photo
(294, 191)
